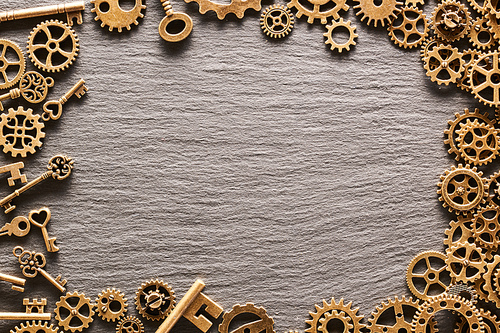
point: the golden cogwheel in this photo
(342, 26)
(130, 324)
(465, 262)
(493, 24)
(74, 317)
(490, 321)
(409, 28)
(489, 280)
(11, 57)
(426, 275)
(277, 21)
(20, 132)
(322, 312)
(331, 8)
(154, 299)
(111, 304)
(111, 14)
(486, 226)
(59, 47)
(485, 79)
(444, 64)
(35, 327)
(462, 189)
(469, 56)
(450, 20)
(478, 142)
(377, 12)
(480, 35)
(427, 310)
(263, 324)
(392, 316)
(237, 7)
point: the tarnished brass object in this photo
(321, 9)
(33, 87)
(172, 17)
(17, 283)
(21, 131)
(40, 218)
(237, 7)
(53, 109)
(429, 266)
(154, 299)
(74, 311)
(263, 324)
(31, 305)
(130, 324)
(339, 47)
(111, 304)
(6, 46)
(73, 10)
(376, 12)
(112, 15)
(37, 327)
(15, 172)
(450, 20)
(277, 21)
(465, 262)
(19, 226)
(409, 23)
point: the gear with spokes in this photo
(11, 57)
(450, 20)
(74, 311)
(277, 21)
(484, 79)
(321, 9)
(154, 299)
(426, 275)
(409, 28)
(318, 318)
(130, 324)
(478, 142)
(339, 47)
(444, 64)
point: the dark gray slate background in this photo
(278, 172)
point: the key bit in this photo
(17, 283)
(53, 109)
(72, 10)
(35, 304)
(15, 172)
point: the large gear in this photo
(462, 189)
(486, 72)
(130, 324)
(381, 13)
(450, 20)
(410, 27)
(237, 7)
(486, 226)
(276, 21)
(480, 35)
(489, 280)
(111, 304)
(434, 275)
(478, 142)
(59, 47)
(264, 324)
(112, 15)
(342, 25)
(323, 311)
(322, 9)
(154, 299)
(74, 317)
(7, 59)
(444, 64)
(21, 132)
(35, 327)
(465, 262)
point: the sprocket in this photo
(111, 304)
(264, 324)
(409, 28)
(478, 142)
(154, 299)
(321, 9)
(35, 327)
(382, 13)
(487, 71)
(450, 20)
(7, 63)
(277, 21)
(342, 25)
(130, 324)
(112, 15)
(74, 317)
(323, 311)
(444, 64)
(434, 275)
(237, 7)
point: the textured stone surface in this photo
(276, 171)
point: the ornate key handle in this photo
(60, 167)
(171, 17)
(34, 87)
(31, 261)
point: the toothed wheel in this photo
(35, 327)
(491, 323)
(444, 64)
(155, 299)
(112, 15)
(487, 72)
(323, 311)
(427, 276)
(264, 324)
(53, 46)
(450, 20)
(277, 21)
(376, 12)
(74, 311)
(321, 9)
(130, 324)
(465, 262)
(338, 316)
(11, 57)
(409, 28)
(478, 142)
(340, 25)
(111, 304)
(480, 35)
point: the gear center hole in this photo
(115, 306)
(127, 5)
(341, 35)
(378, 3)
(335, 325)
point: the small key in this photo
(170, 17)
(35, 217)
(60, 168)
(15, 172)
(73, 10)
(53, 109)
(17, 283)
(33, 87)
(19, 226)
(33, 263)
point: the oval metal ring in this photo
(162, 28)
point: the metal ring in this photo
(162, 28)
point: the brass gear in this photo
(462, 189)
(263, 324)
(494, 24)
(481, 9)
(111, 304)
(491, 322)
(463, 290)
(154, 299)
(338, 315)
(465, 262)
(389, 317)
(486, 226)
(487, 70)
(7, 48)
(342, 25)
(21, 132)
(478, 31)
(130, 324)
(434, 276)
(54, 33)
(277, 21)
(478, 142)
(489, 280)
(494, 189)
(317, 12)
(479, 288)
(237, 7)
(405, 27)
(428, 44)
(378, 13)
(447, 59)
(35, 327)
(322, 312)
(469, 56)
(74, 318)
(114, 16)
(450, 20)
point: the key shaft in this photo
(6, 202)
(24, 316)
(55, 282)
(17, 283)
(53, 109)
(42, 11)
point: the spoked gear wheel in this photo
(74, 311)
(480, 34)
(378, 13)
(323, 312)
(111, 304)
(465, 262)
(53, 46)
(491, 281)
(478, 142)
(277, 21)
(154, 299)
(426, 275)
(130, 324)
(409, 28)
(450, 20)
(319, 12)
(264, 324)
(486, 226)
(112, 15)
(444, 64)
(35, 327)
(21, 132)
(487, 71)
(342, 25)
(10, 56)
(237, 7)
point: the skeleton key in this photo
(43, 214)
(33, 87)
(33, 263)
(73, 10)
(15, 172)
(53, 109)
(59, 168)
(19, 226)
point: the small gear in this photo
(276, 21)
(263, 324)
(392, 316)
(444, 64)
(58, 48)
(494, 24)
(74, 317)
(409, 28)
(379, 12)
(486, 71)
(489, 280)
(11, 57)
(35, 327)
(480, 35)
(130, 324)
(322, 312)
(112, 15)
(343, 26)
(154, 299)
(337, 316)
(111, 304)
(465, 262)
(486, 226)
(478, 142)
(463, 290)
(237, 7)
(331, 8)
(462, 189)
(20, 132)
(426, 275)
(450, 20)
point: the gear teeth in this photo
(340, 24)
(116, 17)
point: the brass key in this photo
(53, 109)
(43, 214)
(35, 310)
(33, 87)
(17, 283)
(170, 17)
(59, 168)
(73, 10)
(19, 226)
(15, 172)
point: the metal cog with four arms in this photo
(378, 13)
(478, 142)
(317, 11)
(130, 324)
(6, 61)
(410, 27)
(154, 299)
(323, 311)
(340, 25)
(111, 304)
(486, 226)
(35, 327)
(53, 46)
(276, 21)
(74, 317)
(444, 64)
(264, 324)
(112, 15)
